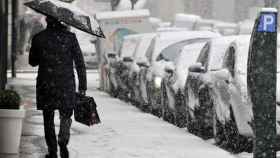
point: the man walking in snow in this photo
(54, 50)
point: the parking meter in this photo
(261, 81)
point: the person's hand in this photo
(82, 92)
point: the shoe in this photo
(64, 153)
(51, 156)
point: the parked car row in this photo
(193, 79)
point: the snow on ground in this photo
(125, 131)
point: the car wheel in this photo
(180, 116)
(132, 97)
(168, 115)
(113, 91)
(235, 142)
(155, 111)
(190, 123)
(218, 131)
(204, 115)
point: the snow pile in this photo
(154, 20)
(186, 20)
(158, 68)
(268, 10)
(171, 29)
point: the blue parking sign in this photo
(267, 23)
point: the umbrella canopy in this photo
(67, 13)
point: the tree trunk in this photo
(14, 36)
(3, 42)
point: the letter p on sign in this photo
(267, 22)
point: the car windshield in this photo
(189, 54)
(172, 52)
(149, 52)
(143, 46)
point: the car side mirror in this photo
(112, 55)
(169, 70)
(198, 68)
(127, 59)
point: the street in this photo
(125, 131)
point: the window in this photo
(204, 55)
(150, 50)
(173, 51)
(229, 60)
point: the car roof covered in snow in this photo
(165, 39)
(186, 17)
(170, 29)
(123, 14)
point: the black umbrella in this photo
(67, 13)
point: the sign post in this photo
(261, 79)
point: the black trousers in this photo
(64, 131)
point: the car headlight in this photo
(157, 82)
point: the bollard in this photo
(261, 79)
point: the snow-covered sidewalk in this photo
(125, 131)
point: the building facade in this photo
(165, 9)
(229, 10)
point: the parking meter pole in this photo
(261, 81)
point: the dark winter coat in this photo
(54, 50)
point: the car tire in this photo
(180, 117)
(168, 115)
(190, 123)
(132, 97)
(218, 131)
(235, 142)
(113, 91)
(204, 115)
(154, 111)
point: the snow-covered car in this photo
(119, 70)
(172, 97)
(233, 110)
(153, 75)
(199, 113)
(139, 60)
